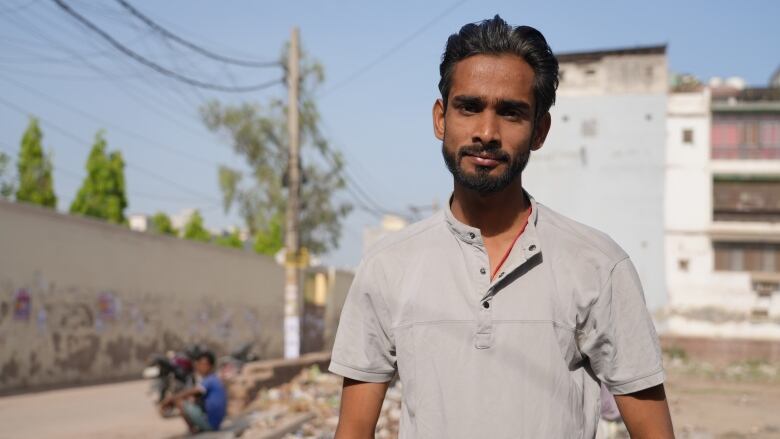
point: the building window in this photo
(589, 127)
(737, 198)
(745, 136)
(687, 136)
(682, 264)
(747, 256)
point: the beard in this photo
(481, 181)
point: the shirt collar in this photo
(525, 247)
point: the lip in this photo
(484, 160)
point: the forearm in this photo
(646, 414)
(186, 393)
(361, 403)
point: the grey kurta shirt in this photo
(521, 356)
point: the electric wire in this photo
(205, 52)
(75, 176)
(156, 67)
(147, 140)
(395, 48)
(130, 165)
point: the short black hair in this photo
(208, 355)
(496, 37)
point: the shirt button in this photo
(501, 275)
(482, 270)
(532, 247)
(486, 304)
(472, 235)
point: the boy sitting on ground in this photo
(208, 413)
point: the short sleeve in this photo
(619, 338)
(364, 349)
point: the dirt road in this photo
(703, 407)
(114, 411)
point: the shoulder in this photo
(412, 238)
(560, 233)
(396, 250)
(211, 381)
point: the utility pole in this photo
(292, 325)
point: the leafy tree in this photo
(194, 229)
(34, 168)
(259, 134)
(230, 240)
(102, 195)
(161, 224)
(271, 240)
(6, 182)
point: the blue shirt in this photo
(214, 400)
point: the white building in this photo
(603, 161)
(723, 210)
(138, 222)
(389, 224)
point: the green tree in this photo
(35, 169)
(161, 223)
(232, 239)
(194, 229)
(270, 240)
(102, 195)
(6, 181)
(259, 134)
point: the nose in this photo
(487, 129)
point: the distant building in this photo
(181, 219)
(389, 224)
(139, 222)
(603, 161)
(723, 210)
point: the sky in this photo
(381, 63)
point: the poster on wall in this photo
(108, 306)
(22, 304)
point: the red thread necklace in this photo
(511, 246)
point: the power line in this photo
(205, 52)
(156, 67)
(79, 177)
(124, 88)
(107, 123)
(392, 50)
(140, 169)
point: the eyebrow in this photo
(466, 99)
(503, 104)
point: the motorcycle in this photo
(171, 373)
(229, 366)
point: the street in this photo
(113, 411)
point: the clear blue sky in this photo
(54, 69)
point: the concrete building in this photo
(389, 224)
(603, 161)
(139, 222)
(723, 210)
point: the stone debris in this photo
(317, 393)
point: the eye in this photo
(468, 108)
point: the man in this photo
(500, 316)
(206, 415)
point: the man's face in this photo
(203, 366)
(487, 130)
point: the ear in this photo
(540, 134)
(438, 119)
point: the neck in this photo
(493, 214)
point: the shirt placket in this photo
(525, 248)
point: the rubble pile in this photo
(317, 394)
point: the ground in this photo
(116, 411)
(705, 405)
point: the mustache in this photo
(487, 150)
